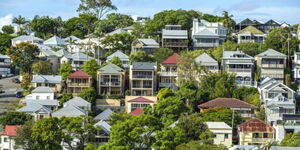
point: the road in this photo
(8, 100)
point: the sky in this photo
(262, 10)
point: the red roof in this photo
(227, 103)
(172, 60)
(255, 125)
(79, 74)
(138, 111)
(10, 130)
(141, 100)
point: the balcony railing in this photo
(165, 73)
(260, 140)
(175, 44)
(162, 84)
(139, 86)
(206, 44)
(238, 70)
(4, 63)
(79, 84)
(142, 76)
(110, 83)
(272, 66)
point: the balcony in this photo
(261, 140)
(142, 76)
(165, 73)
(206, 44)
(5, 64)
(272, 66)
(174, 44)
(239, 70)
(79, 84)
(167, 85)
(142, 87)
(103, 83)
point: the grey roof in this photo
(55, 79)
(104, 115)
(4, 56)
(118, 54)
(143, 65)
(149, 42)
(80, 57)
(27, 38)
(78, 101)
(63, 52)
(42, 89)
(55, 40)
(69, 111)
(43, 47)
(71, 38)
(34, 107)
(49, 53)
(236, 55)
(120, 30)
(281, 101)
(110, 68)
(284, 148)
(206, 60)
(174, 124)
(174, 34)
(104, 126)
(206, 32)
(217, 125)
(45, 102)
(271, 53)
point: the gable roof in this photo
(227, 103)
(143, 65)
(42, 89)
(103, 125)
(27, 38)
(171, 60)
(49, 53)
(118, 54)
(104, 115)
(206, 60)
(141, 100)
(43, 102)
(69, 111)
(63, 52)
(34, 107)
(110, 68)
(79, 74)
(138, 111)
(78, 56)
(250, 29)
(54, 40)
(255, 125)
(217, 125)
(55, 79)
(10, 130)
(148, 42)
(270, 83)
(271, 53)
(78, 101)
(174, 34)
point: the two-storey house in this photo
(174, 37)
(76, 60)
(222, 133)
(262, 26)
(123, 57)
(77, 81)
(207, 63)
(296, 67)
(241, 64)
(55, 42)
(7, 141)
(146, 45)
(5, 65)
(251, 35)
(288, 124)
(207, 35)
(139, 102)
(52, 81)
(271, 64)
(142, 78)
(168, 72)
(111, 80)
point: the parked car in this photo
(19, 94)
(10, 75)
(15, 80)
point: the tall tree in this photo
(229, 24)
(90, 67)
(160, 54)
(89, 94)
(45, 26)
(189, 92)
(80, 26)
(23, 55)
(8, 29)
(19, 20)
(24, 140)
(98, 8)
(5, 42)
(164, 93)
(168, 138)
(116, 60)
(140, 56)
(26, 81)
(14, 118)
(120, 41)
(42, 68)
(291, 140)
(65, 70)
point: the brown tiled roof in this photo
(141, 100)
(172, 60)
(255, 125)
(10, 130)
(79, 74)
(137, 112)
(227, 103)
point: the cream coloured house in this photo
(222, 133)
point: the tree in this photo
(65, 70)
(5, 42)
(140, 56)
(160, 54)
(229, 24)
(8, 29)
(189, 92)
(47, 134)
(80, 26)
(19, 20)
(65, 97)
(120, 41)
(89, 94)
(24, 140)
(14, 118)
(291, 140)
(90, 67)
(112, 22)
(97, 8)
(42, 68)
(116, 60)
(168, 138)
(45, 27)
(23, 55)
(188, 69)
(164, 93)
(133, 133)
(118, 117)
(197, 145)
(247, 94)
(26, 81)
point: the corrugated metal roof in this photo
(42, 89)
(148, 42)
(45, 102)
(217, 125)
(78, 101)
(143, 65)
(255, 125)
(227, 103)
(79, 57)
(118, 54)
(69, 111)
(55, 79)
(34, 107)
(27, 38)
(271, 53)
(111, 69)
(104, 126)
(55, 40)
(105, 115)
(174, 34)
(206, 60)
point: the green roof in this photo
(251, 29)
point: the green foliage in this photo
(168, 138)
(91, 146)
(118, 118)
(89, 94)
(65, 70)
(42, 68)
(140, 56)
(24, 140)
(291, 140)
(247, 94)
(197, 145)
(112, 22)
(8, 29)
(97, 8)
(14, 118)
(65, 97)
(120, 41)
(80, 26)
(164, 93)
(5, 42)
(189, 92)
(90, 67)
(23, 55)
(116, 60)
(221, 114)
(19, 20)
(26, 81)
(160, 54)
(212, 18)
(229, 24)
(138, 30)
(45, 27)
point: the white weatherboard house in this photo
(146, 45)
(76, 60)
(296, 67)
(174, 37)
(52, 81)
(222, 133)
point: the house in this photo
(146, 45)
(54, 42)
(37, 110)
(26, 38)
(104, 115)
(174, 37)
(111, 80)
(5, 65)
(255, 132)
(207, 35)
(76, 60)
(79, 102)
(296, 67)
(288, 124)
(236, 105)
(133, 102)
(121, 30)
(241, 64)
(77, 81)
(7, 141)
(142, 78)
(264, 27)
(69, 111)
(41, 92)
(168, 72)
(207, 63)
(222, 133)
(102, 135)
(71, 39)
(47, 54)
(52, 81)
(251, 34)
(271, 63)
(123, 57)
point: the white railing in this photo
(165, 73)
(238, 70)
(272, 66)
(206, 44)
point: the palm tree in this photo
(19, 20)
(228, 23)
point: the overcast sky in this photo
(263, 10)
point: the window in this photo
(5, 140)
(226, 136)
(37, 97)
(48, 97)
(265, 135)
(255, 135)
